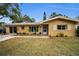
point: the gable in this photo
(60, 18)
(61, 21)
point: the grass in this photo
(40, 47)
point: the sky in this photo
(36, 10)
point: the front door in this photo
(45, 30)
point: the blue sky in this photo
(36, 10)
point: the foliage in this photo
(28, 19)
(77, 17)
(44, 16)
(1, 23)
(54, 14)
(61, 35)
(10, 10)
(77, 32)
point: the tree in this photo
(54, 14)
(77, 17)
(32, 20)
(1, 24)
(77, 31)
(28, 19)
(44, 16)
(2, 27)
(10, 10)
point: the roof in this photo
(61, 17)
(38, 23)
(30, 23)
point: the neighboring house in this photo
(51, 27)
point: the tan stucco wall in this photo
(53, 28)
(20, 30)
(7, 29)
(25, 30)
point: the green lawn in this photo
(46, 47)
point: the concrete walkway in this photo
(7, 37)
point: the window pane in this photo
(33, 29)
(59, 27)
(37, 29)
(64, 27)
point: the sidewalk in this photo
(7, 37)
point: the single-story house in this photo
(53, 27)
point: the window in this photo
(61, 27)
(22, 27)
(64, 27)
(33, 28)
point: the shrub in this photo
(61, 35)
(39, 32)
(65, 35)
(77, 32)
(24, 33)
(50, 36)
(56, 35)
(0, 31)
